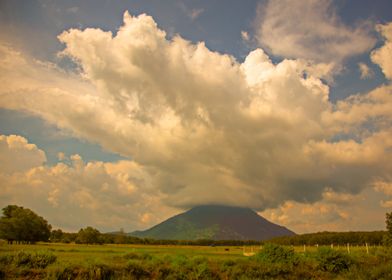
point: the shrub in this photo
(253, 270)
(204, 271)
(137, 270)
(181, 267)
(6, 259)
(384, 254)
(100, 271)
(332, 260)
(22, 259)
(33, 260)
(179, 260)
(272, 253)
(42, 259)
(226, 264)
(164, 271)
(64, 273)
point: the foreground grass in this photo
(71, 261)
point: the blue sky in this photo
(77, 103)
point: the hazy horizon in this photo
(123, 114)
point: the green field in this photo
(75, 261)
(110, 253)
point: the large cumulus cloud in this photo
(74, 193)
(17, 155)
(203, 127)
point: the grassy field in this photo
(75, 261)
(76, 253)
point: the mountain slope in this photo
(215, 222)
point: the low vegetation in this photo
(75, 261)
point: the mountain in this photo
(217, 223)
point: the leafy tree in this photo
(89, 235)
(388, 221)
(388, 236)
(23, 225)
(121, 237)
(56, 235)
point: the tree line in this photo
(328, 238)
(21, 225)
(90, 235)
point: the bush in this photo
(387, 239)
(6, 259)
(272, 253)
(138, 271)
(33, 260)
(42, 259)
(255, 270)
(384, 254)
(95, 271)
(201, 268)
(332, 260)
(100, 271)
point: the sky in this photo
(120, 114)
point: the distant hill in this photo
(217, 223)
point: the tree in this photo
(23, 225)
(89, 235)
(56, 235)
(388, 235)
(120, 237)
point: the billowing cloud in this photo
(203, 127)
(334, 212)
(17, 155)
(309, 29)
(73, 193)
(383, 55)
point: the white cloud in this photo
(365, 71)
(201, 126)
(383, 55)
(333, 212)
(309, 29)
(105, 195)
(17, 155)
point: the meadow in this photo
(77, 261)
